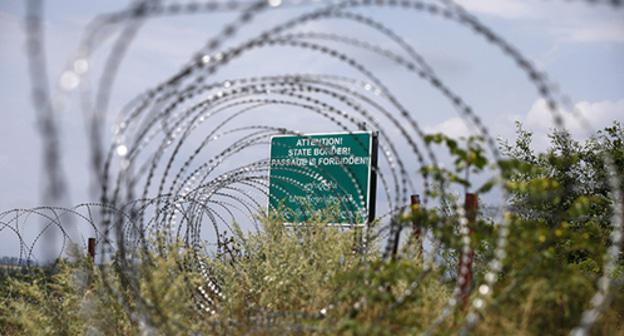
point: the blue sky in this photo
(579, 46)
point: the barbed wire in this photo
(168, 171)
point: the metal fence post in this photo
(471, 205)
(416, 229)
(91, 249)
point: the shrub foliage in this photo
(317, 279)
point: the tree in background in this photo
(560, 211)
(565, 189)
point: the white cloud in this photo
(596, 114)
(574, 23)
(454, 127)
(539, 119)
(508, 9)
(598, 32)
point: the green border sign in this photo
(331, 172)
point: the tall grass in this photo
(308, 279)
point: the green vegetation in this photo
(316, 280)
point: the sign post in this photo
(331, 172)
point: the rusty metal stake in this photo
(415, 205)
(91, 249)
(471, 205)
(416, 229)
